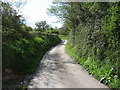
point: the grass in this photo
(65, 37)
(103, 71)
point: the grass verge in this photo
(102, 70)
(65, 37)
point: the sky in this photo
(36, 10)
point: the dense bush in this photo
(94, 36)
(22, 46)
(21, 50)
(103, 71)
(24, 55)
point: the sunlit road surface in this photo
(59, 70)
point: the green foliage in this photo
(10, 18)
(63, 31)
(94, 36)
(41, 26)
(52, 31)
(21, 50)
(27, 28)
(105, 73)
(24, 55)
(65, 37)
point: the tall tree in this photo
(41, 26)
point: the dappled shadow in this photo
(53, 62)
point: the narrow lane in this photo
(59, 70)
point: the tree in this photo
(64, 30)
(94, 30)
(10, 18)
(41, 26)
(12, 22)
(27, 28)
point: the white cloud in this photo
(35, 10)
